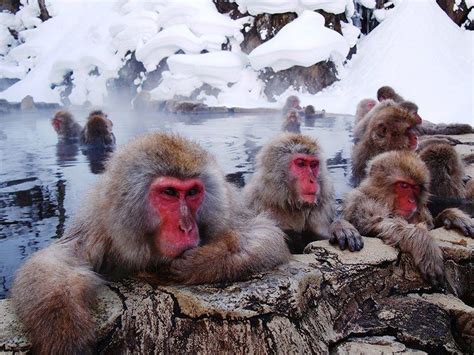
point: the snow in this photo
(290, 47)
(370, 4)
(255, 7)
(430, 62)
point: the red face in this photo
(412, 138)
(406, 198)
(176, 203)
(296, 104)
(419, 120)
(304, 168)
(370, 105)
(56, 122)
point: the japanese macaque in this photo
(363, 107)
(310, 113)
(425, 127)
(390, 127)
(292, 103)
(388, 93)
(391, 204)
(292, 185)
(65, 126)
(162, 207)
(98, 130)
(446, 169)
(292, 122)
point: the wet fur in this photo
(111, 236)
(370, 209)
(270, 189)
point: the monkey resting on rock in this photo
(162, 205)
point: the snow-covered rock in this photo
(304, 41)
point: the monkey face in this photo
(407, 194)
(56, 122)
(304, 170)
(176, 203)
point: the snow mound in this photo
(255, 7)
(290, 47)
(428, 61)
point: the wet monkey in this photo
(291, 103)
(98, 130)
(390, 204)
(292, 122)
(66, 126)
(161, 207)
(292, 185)
(390, 127)
(363, 107)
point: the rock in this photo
(326, 301)
(28, 104)
(373, 345)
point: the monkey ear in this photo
(375, 168)
(381, 130)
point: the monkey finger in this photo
(342, 243)
(359, 243)
(447, 223)
(351, 242)
(333, 239)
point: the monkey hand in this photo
(429, 258)
(345, 234)
(453, 218)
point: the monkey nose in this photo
(185, 225)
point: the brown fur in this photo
(271, 190)
(363, 107)
(54, 289)
(98, 130)
(69, 128)
(290, 104)
(447, 170)
(292, 122)
(386, 130)
(388, 93)
(370, 208)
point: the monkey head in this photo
(387, 92)
(293, 116)
(402, 179)
(163, 189)
(393, 129)
(412, 108)
(293, 172)
(293, 102)
(309, 110)
(61, 120)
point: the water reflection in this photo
(43, 181)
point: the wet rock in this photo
(190, 107)
(324, 301)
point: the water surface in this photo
(42, 182)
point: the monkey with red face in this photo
(363, 108)
(65, 126)
(292, 103)
(390, 127)
(390, 204)
(292, 185)
(161, 207)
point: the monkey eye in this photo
(404, 185)
(193, 191)
(170, 191)
(314, 164)
(300, 163)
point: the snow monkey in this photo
(363, 107)
(390, 204)
(292, 122)
(98, 130)
(162, 205)
(426, 127)
(447, 171)
(292, 103)
(65, 126)
(292, 184)
(390, 127)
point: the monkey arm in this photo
(253, 246)
(53, 292)
(453, 218)
(373, 219)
